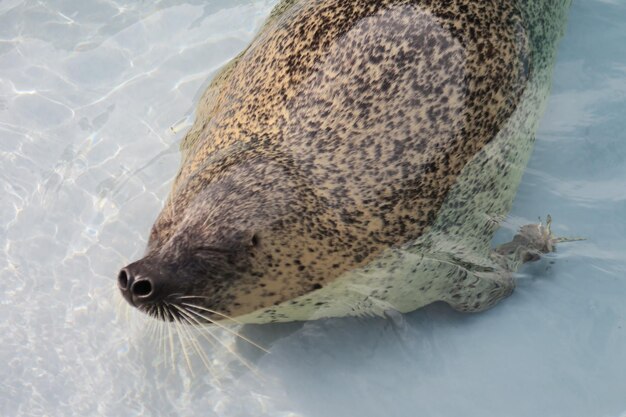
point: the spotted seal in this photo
(356, 157)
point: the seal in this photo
(356, 157)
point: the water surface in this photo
(94, 97)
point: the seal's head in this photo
(235, 237)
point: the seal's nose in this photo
(124, 279)
(136, 288)
(142, 289)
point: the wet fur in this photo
(355, 136)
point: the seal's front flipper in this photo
(486, 287)
(532, 241)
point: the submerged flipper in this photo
(530, 243)
(489, 287)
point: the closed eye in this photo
(212, 249)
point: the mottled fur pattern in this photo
(357, 157)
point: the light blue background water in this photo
(89, 93)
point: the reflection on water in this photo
(89, 92)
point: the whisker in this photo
(186, 313)
(119, 302)
(126, 313)
(235, 354)
(221, 326)
(171, 339)
(182, 343)
(196, 345)
(203, 356)
(152, 327)
(163, 344)
(209, 310)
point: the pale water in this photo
(94, 97)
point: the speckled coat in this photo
(358, 156)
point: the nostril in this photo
(142, 288)
(122, 280)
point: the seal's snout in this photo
(137, 286)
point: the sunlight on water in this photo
(94, 98)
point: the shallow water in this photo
(94, 97)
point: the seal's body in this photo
(356, 157)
